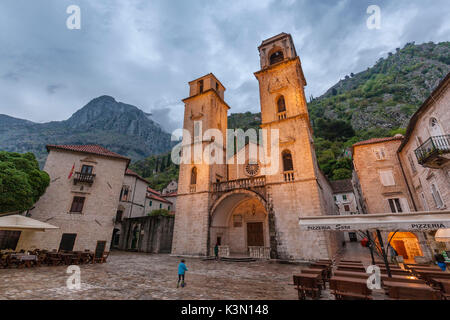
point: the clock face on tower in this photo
(251, 169)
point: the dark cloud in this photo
(145, 52)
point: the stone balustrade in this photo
(259, 252)
(239, 184)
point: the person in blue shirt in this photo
(181, 270)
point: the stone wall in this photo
(151, 234)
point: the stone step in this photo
(235, 259)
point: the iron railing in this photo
(84, 177)
(433, 146)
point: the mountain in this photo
(387, 94)
(120, 127)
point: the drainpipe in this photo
(406, 181)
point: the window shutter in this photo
(405, 205)
(387, 178)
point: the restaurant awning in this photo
(22, 223)
(442, 235)
(411, 221)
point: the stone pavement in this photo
(142, 276)
(129, 275)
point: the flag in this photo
(71, 171)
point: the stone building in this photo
(384, 189)
(425, 154)
(411, 173)
(82, 199)
(252, 207)
(131, 201)
(155, 201)
(344, 197)
(170, 188)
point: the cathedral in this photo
(249, 203)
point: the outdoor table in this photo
(351, 268)
(363, 275)
(326, 266)
(436, 268)
(322, 272)
(54, 258)
(428, 275)
(351, 261)
(444, 285)
(307, 283)
(25, 258)
(349, 287)
(411, 291)
(67, 257)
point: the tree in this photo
(341, 173)
(21, 181)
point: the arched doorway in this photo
(406, 244)
(239, 221)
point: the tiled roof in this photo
(341, 186)
(171, 194)
(92, 149)
(153, 191)
(377, 140)
(130, 172)
(158, 198)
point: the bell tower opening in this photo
(276, 57)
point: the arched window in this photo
(276, 57)
(281, 104)
(287, 161)
(194, 176)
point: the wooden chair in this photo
(105, 256)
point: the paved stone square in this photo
(129, 275)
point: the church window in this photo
(276, 57)
(200, 86)
(194, 176)
(287, 161)
(281, 104)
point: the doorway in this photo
(255, 235)
(407, 245)
(352, 237)
(67, 242)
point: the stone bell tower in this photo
(205, 109)
(298, 188)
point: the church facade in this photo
(249, 202)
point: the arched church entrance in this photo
(239, 224)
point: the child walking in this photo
(181, 270)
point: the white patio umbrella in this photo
(442, 235)
(22, 223)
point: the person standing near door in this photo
(216, 251)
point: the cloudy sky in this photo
(144, 52)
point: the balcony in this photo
(245, 183)
(84, 178)
(282, 115)
(433, 152)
